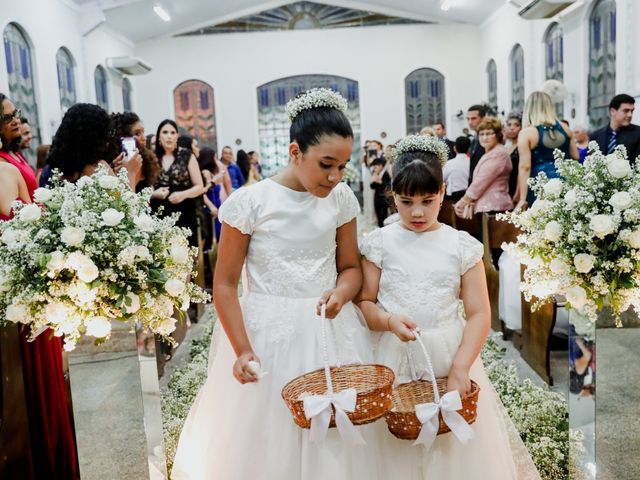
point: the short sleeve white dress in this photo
(420, 278)
(238, 432)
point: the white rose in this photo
(174, 287)
(42, 195)
(619, 168)
(112, 217)
(179, 253)
(72, 236)
(142, 253)
(9, 237)
(83, 292)
(602, 225)
(30, 213)
(584, 262)
(17, 313)
(144, 222)
(167, 326)
(558, 266)
(553, 231)
(97, 326)
(570, 198)
(576, 296)
(633, 239)
(88, 272)
(108, 182)
(135, 303)
(77, 260)
(84, 181)
(620, 200)
(553, 187)
(56, 262)
(538, 205)
(56, 313)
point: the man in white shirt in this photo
(456, 171)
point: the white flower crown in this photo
(315, 98)
(421, 143)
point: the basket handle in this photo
(417, 333)
(325, 352)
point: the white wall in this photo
(379, 58)
(49, 25)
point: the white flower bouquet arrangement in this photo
(90, 253)
(581, 237)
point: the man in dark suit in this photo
(475, 114)
(620, 130)
(441, 133)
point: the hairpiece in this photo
(315, 98)
(413, 143)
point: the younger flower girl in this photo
(294, 235)
(420, 273)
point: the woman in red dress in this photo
(52, 440)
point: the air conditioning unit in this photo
(128, 65)
(537, 9)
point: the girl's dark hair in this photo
(157, 147)
(310, 125)
(82, 139)
(207, 160)
(185, 141)
(121, 125)
(242, 160)
(417, 173)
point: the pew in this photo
(447, 215)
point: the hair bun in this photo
(420, 143)
(315, 98)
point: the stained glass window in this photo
(517, 78)
(66, 79)
(273, 123)
(21, 79)
(602, 61)
(492, 84)
(195, 111)
(102, 96)
(127, 89)
(424, 99)
(554, 59)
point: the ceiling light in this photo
(161, 12)
(445, 5)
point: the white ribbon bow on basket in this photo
(317, 408)
(448, 405)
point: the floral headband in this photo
(421, 143)
(315, 98)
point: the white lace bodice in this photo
(293, 236)
(421, 271)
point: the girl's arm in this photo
(377, 318)
(474, 295)
(232, 251)
(349, 272)
(197, 188)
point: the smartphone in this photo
(128, 146)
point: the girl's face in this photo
(168, 138)
(419, 213)
(137, 131)
(513, 129)
(321, 167)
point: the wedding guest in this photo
(456, 171)
(620, 130)
(53, 446)
(242, 161)
(541, 135)
(441, 132)
(237, 179)
(42, 153)
(475, 114)
(25, 134)
(256, 169)
(581, 134)
(511, 132)
(428, 131)
(380, 182)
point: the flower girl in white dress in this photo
(420, 273)
(295, 236)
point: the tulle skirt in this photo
(237, 432)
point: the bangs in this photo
(417, 178)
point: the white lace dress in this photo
(421, 278)
(238, 432)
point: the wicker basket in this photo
(402, 420)
(373, 385)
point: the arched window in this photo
(102, 96)
(602, 61)
(22, 91)
(127, 89)
(66, 79)
(273, 122)
(195, 111)
(424, 99)
(492, 84)
(517, 78)
(554, 61)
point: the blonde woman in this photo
(542, 133)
